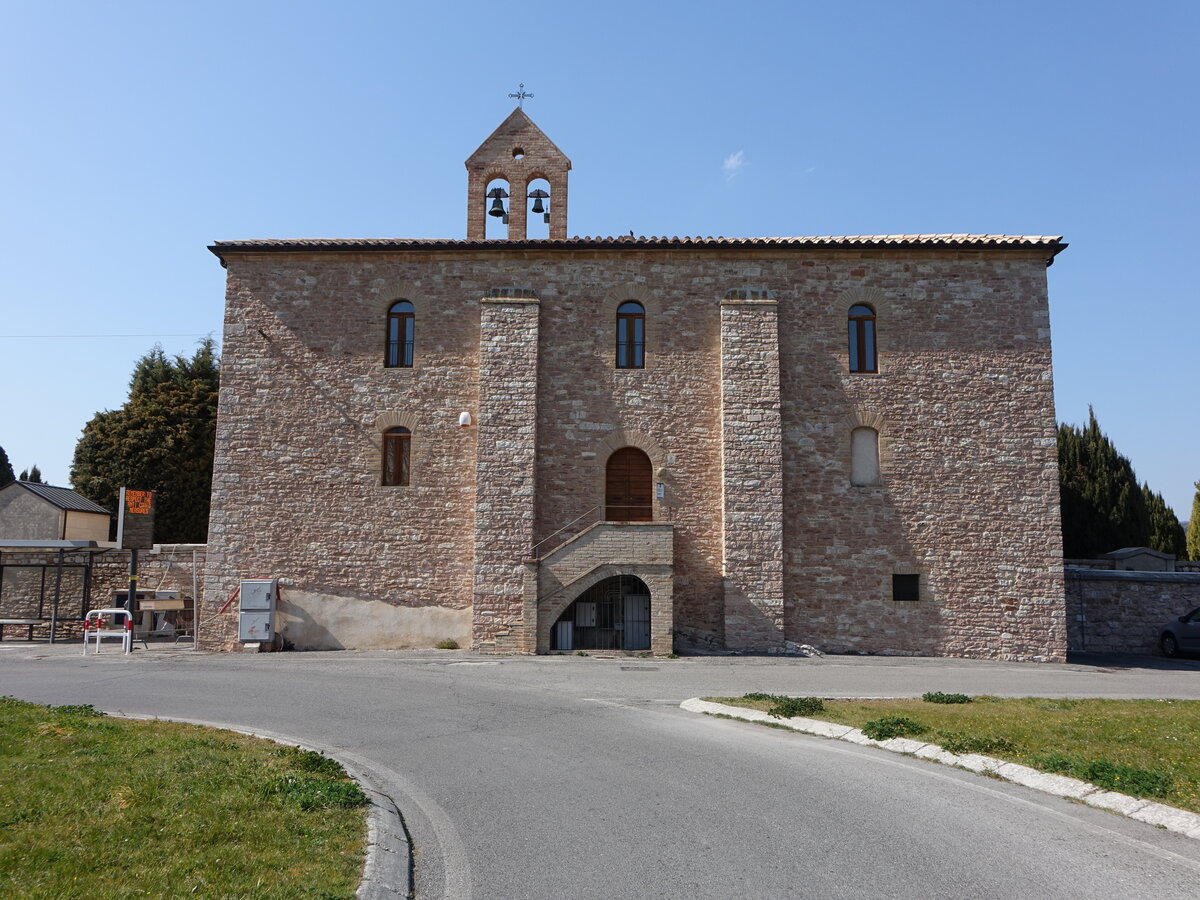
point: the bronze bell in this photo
(537, 205)
(497, 208)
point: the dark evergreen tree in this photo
(24, 476)
(35, 475)
(161, 439)
(1103, 507)
(1193, 529)
(1166, 534)
(6, 469)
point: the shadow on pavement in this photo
(1134, 661)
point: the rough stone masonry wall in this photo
(297, 491)
(24, 516)
(752, 475)
(670, 408)
(505, 472)
(968, 498)
(1123, 612)
(962, 401)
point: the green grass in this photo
(1145, 748)
(97, 807)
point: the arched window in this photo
(396, 453)
(399, 353)
(862, 338)
(631, 335)
(864, 456)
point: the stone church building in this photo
(547, 443)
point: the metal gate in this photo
(611, 615)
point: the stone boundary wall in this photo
(1110, 565)
(1122, 612)
(168, 567)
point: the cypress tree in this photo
(1166, 534)
(161, 439)
(1103, 507)
(6, 469)
(1193, 530)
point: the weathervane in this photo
(521, 96)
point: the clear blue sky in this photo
(135, 133)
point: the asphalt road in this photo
(563, 776)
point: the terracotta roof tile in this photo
(949, 241)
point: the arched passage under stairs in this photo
(613, 614)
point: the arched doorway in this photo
(629, 487)
(613, 614)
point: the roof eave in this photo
(1050, 245)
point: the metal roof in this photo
(1052, 243)
(64, 498)
(90, 546)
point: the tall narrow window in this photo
(396, 449)
(862, 338)
(400, 336)
(864, 456)
(631, 335)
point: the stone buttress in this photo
(505, 468)
(751, 475)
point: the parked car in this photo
(1181, 635)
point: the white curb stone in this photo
(902, 745)
(937, 754)
(823, 729)
(1168, 817)
(1118, 803)
(1046, 781)
(977, 763)
(1178, 820)
(855, 736)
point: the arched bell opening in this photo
(496, 199)
(629, 486)
(613, 614)
(537, 200)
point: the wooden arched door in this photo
(629, 487)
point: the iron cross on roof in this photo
(521, 96)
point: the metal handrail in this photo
(533, 551)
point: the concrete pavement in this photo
(534, 777)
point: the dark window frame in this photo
(400, 337)
(631, 352)
(862, 339)
(396, 459)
